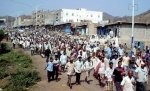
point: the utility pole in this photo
(132, 32)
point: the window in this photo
(66, 14)
(72, 14)
(98, 16)
(91, 15)
(87, 15)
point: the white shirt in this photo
(56, 61)
(125, 61)
(78, 66)
(146, 70)
(109, 73)
(84, 54)
(63, 59)
(46, 46)
(95, 62)
(70, 68)
(14, 41)
(127, 84)
(102, 68)
(141, 74)
(107, 62)
(138, 62)
(68, 52)
(40, 46)
(21, 42)
(121, 51)
(88, 65)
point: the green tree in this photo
(2, 35)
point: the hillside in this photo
(143, 17)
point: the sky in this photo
(113, 7)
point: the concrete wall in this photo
(141, 33)
(92, 30)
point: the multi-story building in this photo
(38, 18)
(23, 20)
(66, 15)
(61, 16)
(78, 15)
(50, 17)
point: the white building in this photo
(78, 15)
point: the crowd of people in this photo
(112, 66)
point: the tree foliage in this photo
(2, 35)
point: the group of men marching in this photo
(110, 65)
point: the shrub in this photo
(19, 67)
(2, 35)
(3, 72)
(4, 48)
(25, 78)
(4, 64)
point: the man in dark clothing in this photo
(58, 54)
(47, 54)
(56, 63)
(118, 76)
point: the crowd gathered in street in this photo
(111, 64)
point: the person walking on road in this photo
(108, 76)
(87, 67)
(56, 63)
(128, 82)
(70, 71)
(141, 78)
(118, 76)
(78, 69)
(49, 69)
(63, 61)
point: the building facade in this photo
(38, 17)
(123, 30)
(24, 20)
(78, 15)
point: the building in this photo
(61, 16)
(66, 16)
(23, 20)
(50, 17)
(2, 23)
(38, 17)
(122, 30)
(78, 15)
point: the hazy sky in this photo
(113, 7)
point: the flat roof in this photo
(125, 23)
